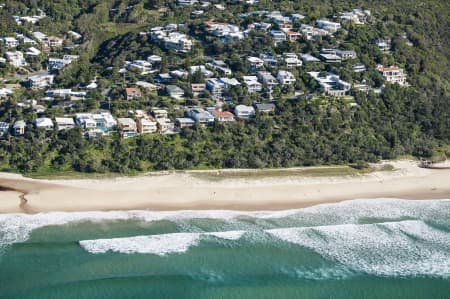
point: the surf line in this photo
(22, 197)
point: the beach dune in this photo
(187, 191)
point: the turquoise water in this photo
(383, 248)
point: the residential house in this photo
(308, 58)
(64, 123)
(33, 52)
(19, 128)
(40, 81)
(384, 44)
(179, 73)
(176, 41)
(4, 92)
(160, 113)
(85, 121)
(198, 88)
(155, 60)
(359, 68)
(292, 61)
(164, 78)
(143, 66)
(65, 93)
(216, 87)
(4, 128)
(10, 42)
(54, 41)
(255, 63)
(292, 36)
(331, 83)
(148, 86)
(132, 93)
(267, 79)
(328, 25)
(278, 36)
(147, 126)
(184, 122)
(104, 121)
(44, 123)
(226, 31)
(200, 116)
(222, 116)
(127, 127)
(393, 74)
(265, 107)
(285, 77)
(311, 32)
(174, 91)
(16, 59)
(357, 16)
(252, 83)
(330, 56)
(186, 2)
(244, 112)
(202, 69)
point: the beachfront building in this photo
(146, 126)
(127, 127)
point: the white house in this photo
(252, 83)
(331, 83)
(267, 79)
(33, 52)
(40, 81)
(244, 112)
(393, 74)
(44, 123)
(328, 25)
(10, 42)
(285, 77)
(16, 59)
(255, 63)
(64, 123)
(147, 126)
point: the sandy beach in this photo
(186, 191)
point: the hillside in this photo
(373, 119)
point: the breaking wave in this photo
(155, 244)
(402, 248)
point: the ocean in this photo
(363, 248)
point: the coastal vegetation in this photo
(307, 128)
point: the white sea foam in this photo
(230, 235)
(154, 244)
(389, 249)
(17, 227)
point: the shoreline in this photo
(187, 191)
